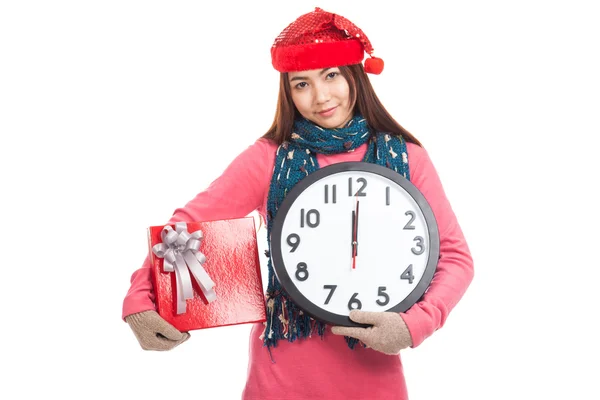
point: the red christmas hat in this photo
(320, 39)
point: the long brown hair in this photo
(362, 95)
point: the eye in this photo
(301, 85)
(332, 75)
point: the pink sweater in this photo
(325, 368)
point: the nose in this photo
(321, 94)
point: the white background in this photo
(114, 113)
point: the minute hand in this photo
(356, 230)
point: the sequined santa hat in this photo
(320, 39)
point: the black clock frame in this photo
(277, 256)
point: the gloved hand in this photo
(153, 332)
(389, 334)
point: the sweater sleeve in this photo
(240, 190)
(454, 271)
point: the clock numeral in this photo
(412, 219)
(419, 240)
(332, 288)
(312, 218)
(333, 193)
(294, 241)
(361, 191)
(408, 274)
(302, 272)
(382, 293)
(354, 300)
(387, 196)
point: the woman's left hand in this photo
(388, 334)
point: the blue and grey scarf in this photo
(294, 160)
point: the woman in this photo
(325, 98)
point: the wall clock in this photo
(354, 235)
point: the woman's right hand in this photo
(153, 332)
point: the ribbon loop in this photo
(181, 253)
(193, 244)
(160, 249)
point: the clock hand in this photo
(355, 234)
(353, 239)
(356, 230)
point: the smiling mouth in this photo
(328, 111)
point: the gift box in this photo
(207, 274)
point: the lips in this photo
(328, 112)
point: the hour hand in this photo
(353, 238)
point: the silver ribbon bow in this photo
(180, 251)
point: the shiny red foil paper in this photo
(232, 262)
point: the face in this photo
(322, 96)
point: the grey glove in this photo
(389, 334)
(153, 332)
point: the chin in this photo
(329, 125)
(332, 123)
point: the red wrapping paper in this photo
(232, 262)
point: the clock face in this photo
(354, 235)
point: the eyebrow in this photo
(305, 78)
